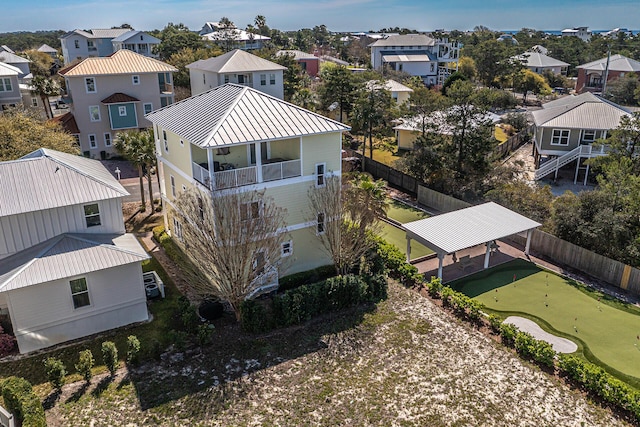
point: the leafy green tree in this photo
(260, 23)
(525, 81)
(531, 201)
(110, 356)
(492, 60)
(45, 87)
(175, 38)
(227, 35)
(85, 364)
(452, 79)
(40, 63)
(139, 148)
(467, 67)
(624, 90)
(55, 371)
(338, 89)
(372, 110)
(24, 131)
(184, 57)
(292, 77)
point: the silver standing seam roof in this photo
(401, 40)
(46, 179)
(465, 228)
(68, 255)
(235, 61)
(233, 114)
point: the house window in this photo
(90, 45)
(34, 102)
(177, 228)
(92, 141)
(173, 185)
(259, 262)
(320, 171)
(92, 215)
(320, 223)
(107, 139)
(166, 100)
(135, 80)
(90, 84)
(226, 79)
(251, 210)
(76, 44)
(5, 85)
(287, 248)
(94, 113)
(166, 143)
(272, 79)
(560, 137)
(433, 67)
(122, 110)
(588, 136)
(148, 107)
(79, 292)
(263, 79)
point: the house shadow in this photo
(233, 354)
(495, 277)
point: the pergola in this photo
(465, 228)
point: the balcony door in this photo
(264, 152)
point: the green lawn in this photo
(397, 237)
(609, 330)
(404, 213)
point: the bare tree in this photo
(233, 240)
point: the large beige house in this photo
(235, 138)
(111, 94)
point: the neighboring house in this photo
(136, 41)
(9, 87)
(236, 137)
(540, 49)
(566, 128)
(107, 95)
(539, 63)
(17, 61)
(307, 61)
(591, 75)
(582, 33)
(238, 67)
(416, 54)
(67, 267)
(5, 48)
(79, 44)
(238, 39)
(399, 92)
(507, 38)
(45, 48)
(617, 31)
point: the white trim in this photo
(560, 137)
(283, 253)
(172, 184)
(95, 85)
(133, 79)
(97, 108)
(176, 169)
(320, 176)
(144, 106)
(86, 284)
(95, 140)
(107, 142)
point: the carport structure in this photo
(466, 228)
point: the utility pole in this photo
(606, 71)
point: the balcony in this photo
(166, 88)
(231, 177)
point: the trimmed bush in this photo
(55, 371)
(396, 263)
(508, 334)
(133, 348)
(110, 356)
(434, 287)
(295, 280)
(85, 364)
(494, 322)
(254, 318)
(33, 412)
(14, 390)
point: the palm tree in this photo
(366, 200)
(139, 148)
(45, 87)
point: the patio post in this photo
(440, 261)
(487, 254)
(408, 249)
(528, 245)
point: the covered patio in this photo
(457, 231)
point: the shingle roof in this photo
(537, 59)
(68, 255)
(68, 123)
(126, 36)
(235, 61)
(234, 114)
(119, 97)
(46, 179)
(616, 63)
(12, 58)
(586, 111)
(121, 62)
(405, 40)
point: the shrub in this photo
(446, 294)
(204, 334)
(133, 348)
(33, 412)
(110, 356)
(494, 322)
(55, 371)
(295, 280)
(14, 390)
(7, 343)
(179, 339)
(253, 317)
(434, 287)
(508, 334)
(85, 364)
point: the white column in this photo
(258, 146)
(528, 245)
(440, 261)
(586, 174)
(211, 171)
(487, 254)
(408, 249)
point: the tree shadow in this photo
(51, 400)
(78, 393)
(102, 386)
(495, 277)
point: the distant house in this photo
(582, 33)
(67, 268)
(238, 67)
(136, 41)
(236, 39)
(307, 61)
(17, 61)
(79, 44)
(45, 48)
(110, 94)
(399, 92)
(566, 128)
(539, 63)
(9, 87)
(507, 38)
(617, 31)
(416, 54)
(591, 75)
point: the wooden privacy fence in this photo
(439, 201)
(513, 142)
(394, 177)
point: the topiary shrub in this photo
(85, 364)
(55, 371)
(494, 323)
(110, 356)
(434, 287)
(33, 412)
(133, 349)
(508, 334)
(14, 390)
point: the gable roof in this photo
(68, 255)
(121, 62)
(404, 40)
(235, 61)
(585, 111)
(537, 59)
(297, 54)
(132, 33)
(12, 58)
(616, 63)
(118, 98)
(390, 85)
(68, 123)
(46, 179)
(234, 114)
(47, 49)
(6, 48)
(9, 70)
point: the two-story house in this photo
(235, 138)
(9, 87)
(136, 41)
(67, 268)
(111, 94)
(79, 44)
(17, 61)
(592, 75)
(416, 54)
(238, 67)
(583, 33)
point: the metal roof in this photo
(6, 48)
(235, 61)
(46, 179)
(68, 255)
(68, 123)
(465, 228)
(437, 122)
(121, 62)
(616, 63)
(47, 49)
(390, 85)
(108, 33)
(585, 111)
(297, 54)
(9, 70)
(238, 35)
(12, 58)
(126, 36)
(537, 59)
(405, 40)
(423, 57)
(234, 114)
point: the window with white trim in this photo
(286, 248)
(122, 110)
(92, 141)
(320, 223)
(560, 137)
(79, 292)
(92, 215)
(94, 113)
(272, 79)
(76, 44)
(320, 174)
(263, 79)
(5, 85)
(166, 143)
(135, 80)
(251, 210)
(173, 185)
(148, 107)
(107, 139)
(90, 84)
(588, 136)
(177, 229)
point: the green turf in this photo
(397, 237)
(404, 213)
(611, 334)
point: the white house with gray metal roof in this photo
(539, 63)
(67, 268)
(236, 138)
(80, 44)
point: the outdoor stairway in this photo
(582, 151)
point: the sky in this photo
(337, 15)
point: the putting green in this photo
(404, 213)
(611, 334)
(397, 237)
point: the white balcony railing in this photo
(235, 178)
(281, 170)
(200, 174)
(246, 176)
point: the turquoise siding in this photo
(126, 121)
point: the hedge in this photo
(21, 401)
(396, 264)
(306, 277)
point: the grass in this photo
(397, 237)
(404, 213)
(609, 330)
